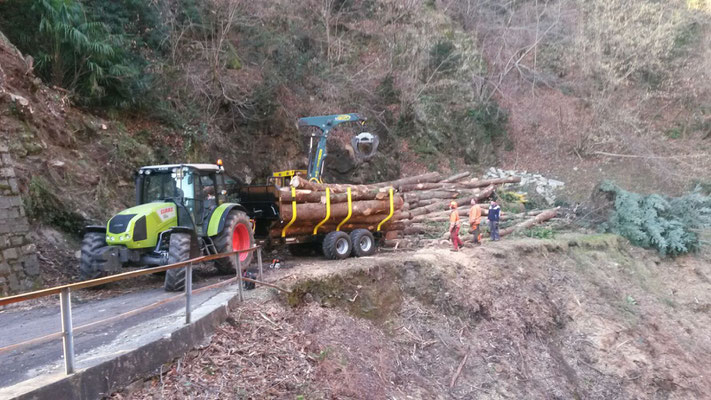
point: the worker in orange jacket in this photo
(474, 221)
(454, 225)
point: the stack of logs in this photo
(418, 202)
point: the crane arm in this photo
(324, 123)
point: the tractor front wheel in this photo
(178, 250)
(236, 235)
(89, 268)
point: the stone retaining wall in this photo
(19, 269)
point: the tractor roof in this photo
(201, 167)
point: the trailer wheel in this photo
(363, 243)
(337, 245)
(236, 235)
(178, 250)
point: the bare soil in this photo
(578, 317)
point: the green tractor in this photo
(182, 211)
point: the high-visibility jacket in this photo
(454, 218)
(475, 215)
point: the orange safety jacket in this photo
(454, 218)
(475, 215)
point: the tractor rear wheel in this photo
(337, 245)
(363, 243)
(236, 235)
(89, 268)
(178, 250)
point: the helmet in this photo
(453, 204)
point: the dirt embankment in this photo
(584, 317)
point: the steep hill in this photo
(578, 90)
(576, 317)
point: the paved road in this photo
(47, 357)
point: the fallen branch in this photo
(459, 370)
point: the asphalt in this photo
(93, 344)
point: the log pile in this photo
(420, 202)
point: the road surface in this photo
(27, 362)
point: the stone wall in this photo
(19, 269)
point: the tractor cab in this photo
(196, 190)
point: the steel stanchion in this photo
(65, 307)
(259, 260)
(188, 291)
(239, 274)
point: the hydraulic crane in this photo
(364, 144)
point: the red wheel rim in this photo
(240, 240)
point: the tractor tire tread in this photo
(89, 268)
(330, 242)
(178, 250)
(356, 236)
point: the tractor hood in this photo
(139, 227)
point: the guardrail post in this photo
(239, 275)
(188, 291)
(65, 307)
(259, 260)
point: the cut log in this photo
(441, 206)
(483, 194)
(428, 177)
(431, 194)
(302, 196)
(310, 196)
(544, 216)
(301, 183)
(421, 186)
(456, 177)
(414, 230)
(487, 182)
(423, 202)
(317, 211)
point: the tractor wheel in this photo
(363, 243)
(178, 250)
(236, 235)
(88, 267)
(337, 245)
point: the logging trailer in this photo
(186, 210)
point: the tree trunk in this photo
(317, 211)
(301, 183)
(456, 177)
(544, 216)
(428, 177)
(487, 182)
(431, 194)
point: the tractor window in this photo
(158, 187)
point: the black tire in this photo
(304, 249)
(225, 242)
(337, 245)
(88, 267)
(178, 250)
(363, 243)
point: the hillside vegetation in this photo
(582, 90)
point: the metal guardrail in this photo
(65, 303)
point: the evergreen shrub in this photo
(671, 225)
